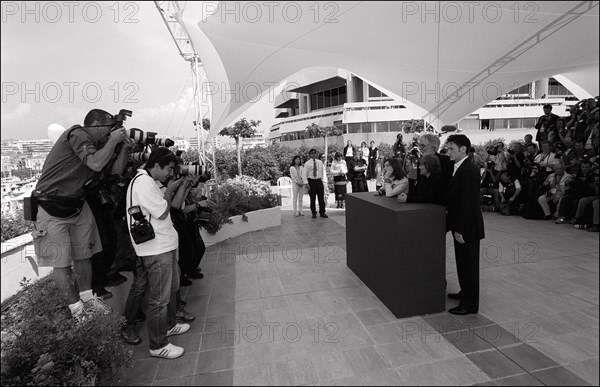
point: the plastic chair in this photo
(284, 183)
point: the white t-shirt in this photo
(151, 200)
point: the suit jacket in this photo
(353, 151)
(447, 166)
(462, 203)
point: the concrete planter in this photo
(257, 220)
(18, 261)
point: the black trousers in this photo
(316, 189)
(467, 266)
(102, 262)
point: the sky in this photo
(61, 59)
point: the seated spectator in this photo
(545, 124)
(488, 191)
(584, 206)
(555, 186)
(546, 160)
(431, 186)
(509, 191)
(582, 185)
(395, 181)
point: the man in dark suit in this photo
(465, 222)
(545, 124)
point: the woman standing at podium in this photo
(395, 181)
(431, 186)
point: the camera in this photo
(141, 230)
(490, 165)
(191, 169)
(140, 157)
(492, 150)
(511, 151)
(148, 138)
(121, 117)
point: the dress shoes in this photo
(114, 279)
(314, 216)
(459, 310)
(454, 296)
(185, 281)
(196, 274)
(324, 216)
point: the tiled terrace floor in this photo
(279, 306)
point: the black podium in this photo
(399, 251)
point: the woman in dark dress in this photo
(430, 187)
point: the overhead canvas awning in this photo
(446, 58)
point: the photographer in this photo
(155, 241)
(515, 161)
(489, 197)
(555, 186)
(509, 189)
(65, 232)
(572, 160)
(582, 185)
(546, 160)
(545, 124)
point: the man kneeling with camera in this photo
(155, 242)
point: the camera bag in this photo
(140, 232)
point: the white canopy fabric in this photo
(448, 58)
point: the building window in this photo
(556, 88)
(515, 123)
(343, 96)
(381, 126)
(529, 123)
(376, 93)
(354, 128)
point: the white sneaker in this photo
(96, 306)
(169, 351)
(178, 329)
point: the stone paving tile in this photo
(184, 366)
(467, 341)
(517, 380)
(495, 364)
(559, 376)
(528, 358)
(587, 370)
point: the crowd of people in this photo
(554, 178)
(80, 217)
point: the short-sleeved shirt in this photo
(150, 198)
(65, 171)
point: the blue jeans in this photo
(160, 274)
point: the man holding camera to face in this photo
(545, 124)
(155, 241)
(65, 232)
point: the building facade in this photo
(364, 113)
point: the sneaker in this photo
(196, 274)
(178, 329)
(184, 315)
(169, 351)
(130, 335)
(560, 220)
(96, 306)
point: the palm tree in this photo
(241, 129)
(315, 130)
